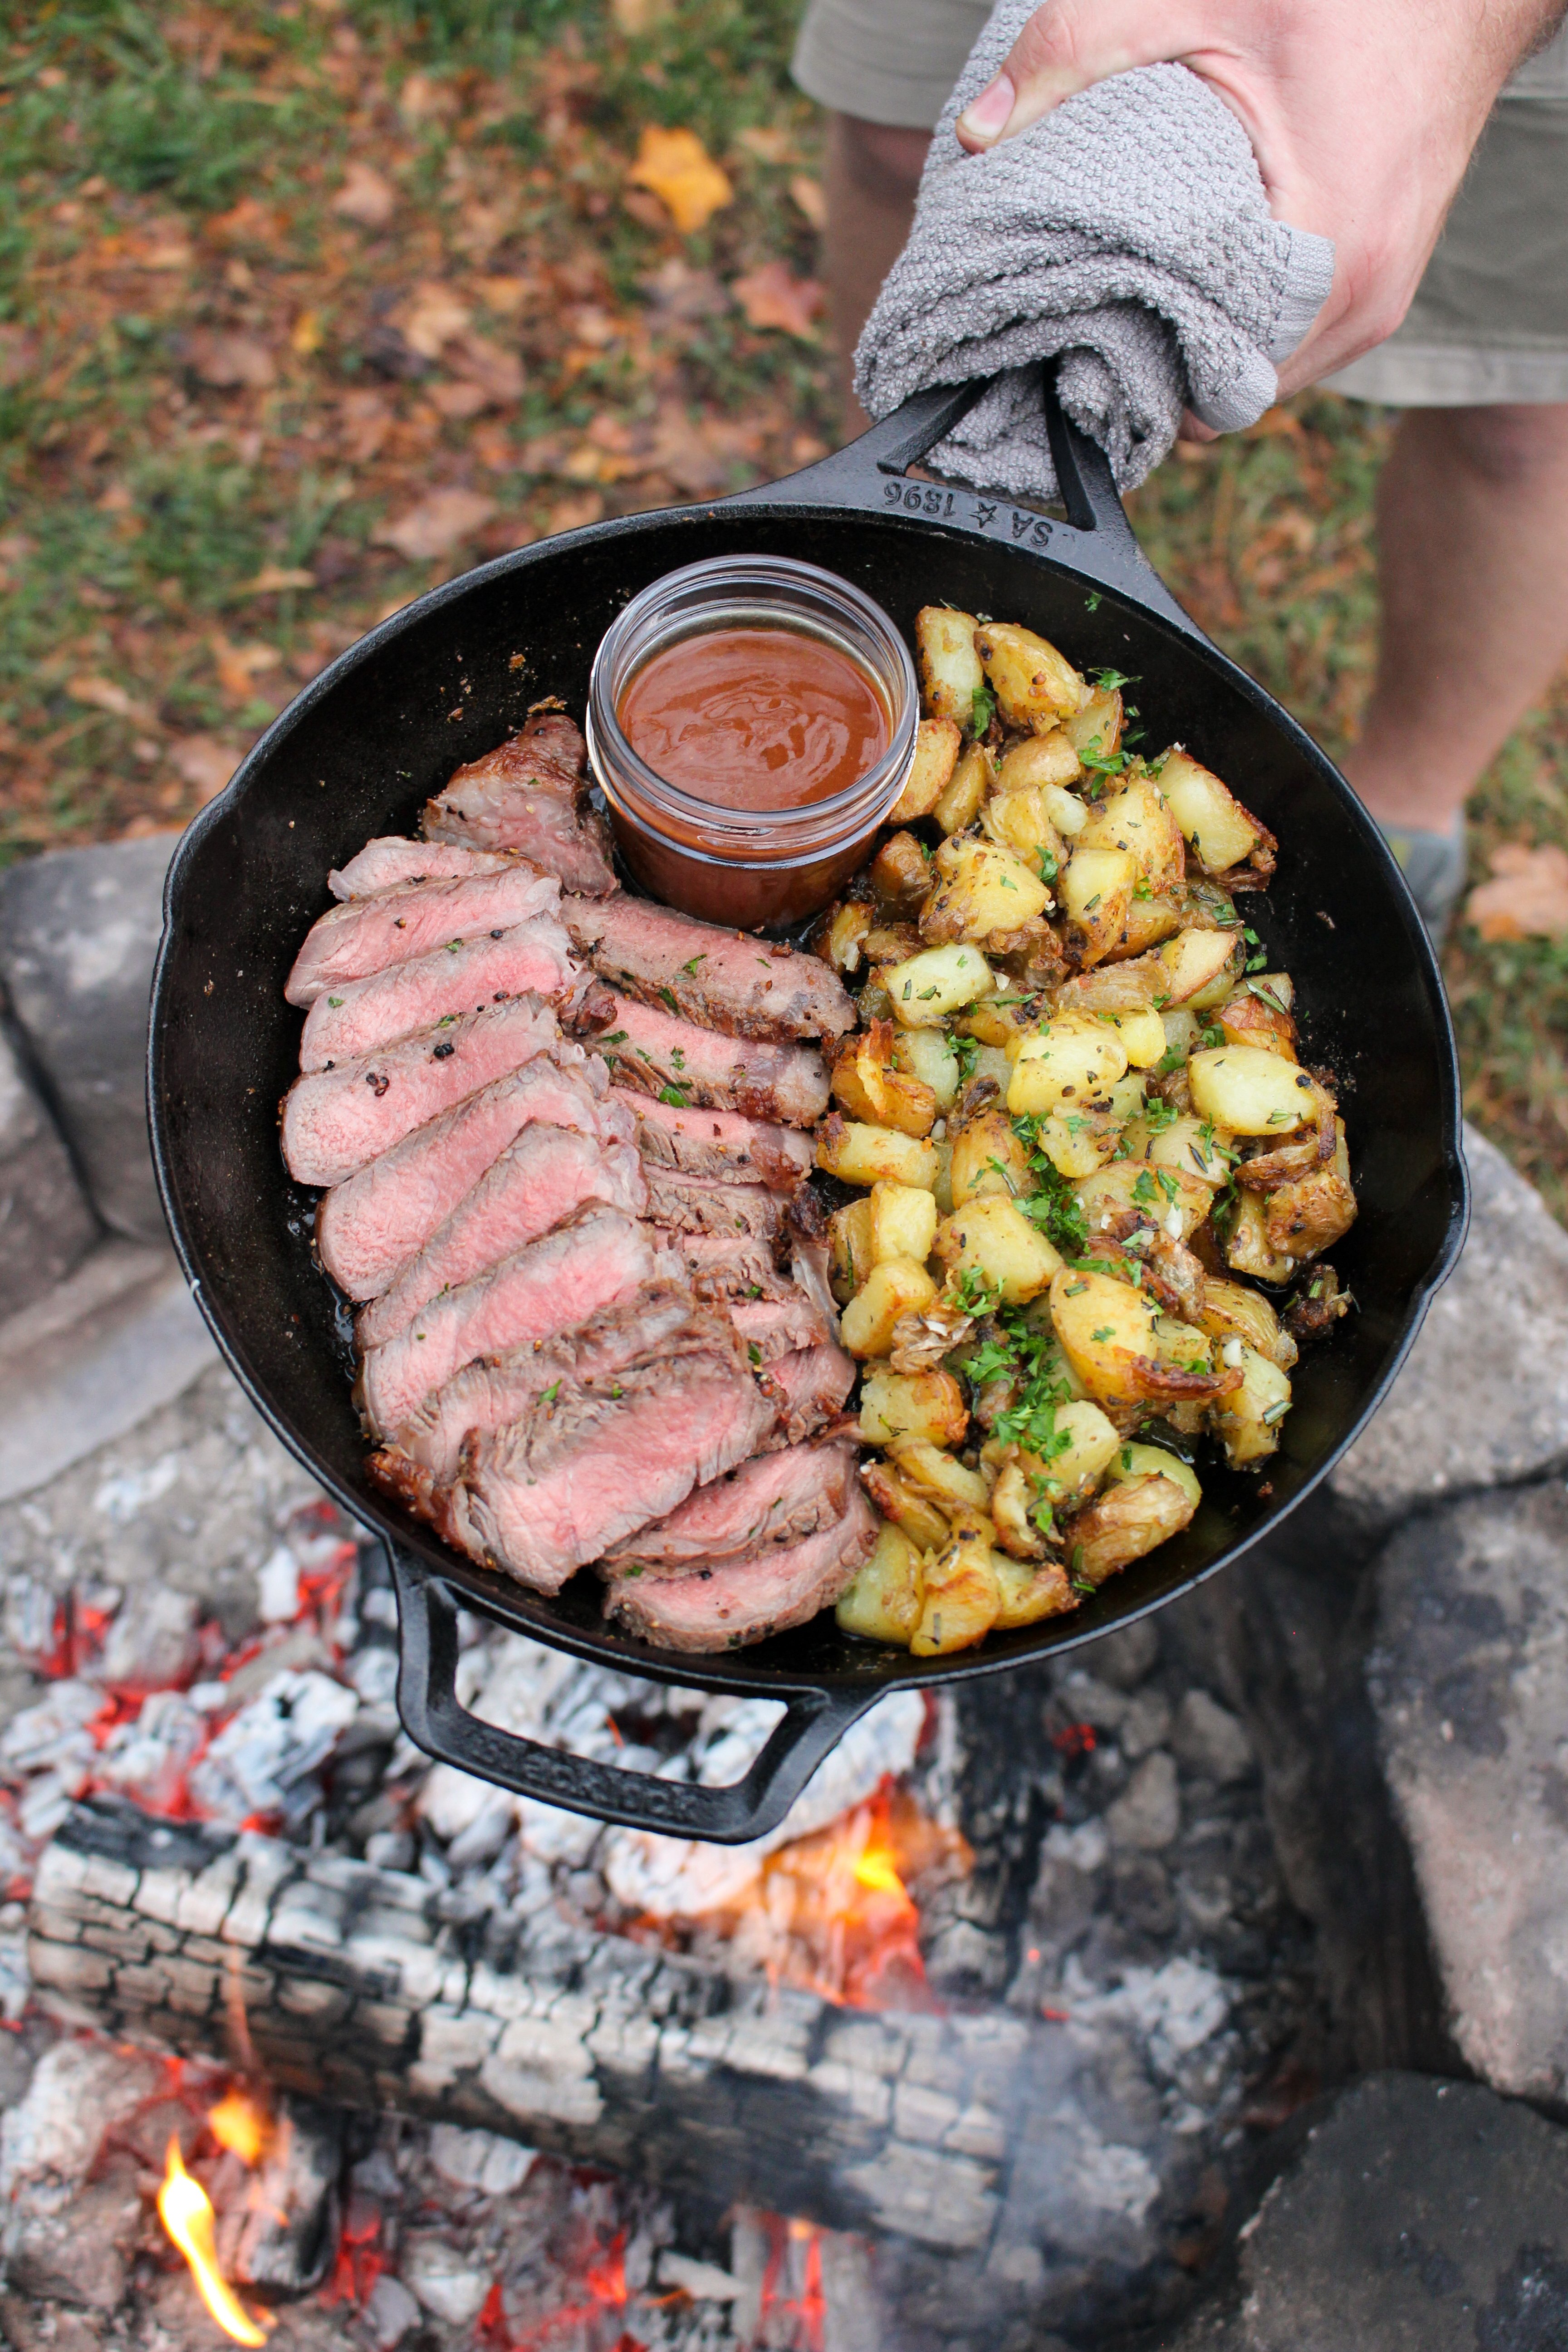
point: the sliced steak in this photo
(530, 794)
(547, 1494)
(368, 1228)
(336, 1122)
(722, 980)
(543, 1287)
(502, 1389)
(691, 1205)
(531, 958)
(723, 1144)
(725, 1266)
(653, 1054)
(773, 1500)
(812, 1386)
(366, 935)
(537, 1183)
(728, 1607)
(393, 860)
(772, 1328)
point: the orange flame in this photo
(186, 2210)
(240, 2125)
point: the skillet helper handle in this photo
(813, 1722)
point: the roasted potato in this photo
(1077, 1143)
(1149, 921)
(937, 746)
(961, 1601)
(894, 1288)
(1134, 1461)
(1247, 1248)
(1065, 1476)
(1067, 812)
(839, 939)
(990, 1242)
(1014, 1504)
(927, 987)
(1192, 1146)
(1257, 1014)
(950, 672)
(1219, 831)
(1094, 729)
(927, 1055)
(868, 1085)
(1035, 687)
(1232, 1313)
(1073, 1060)
(1117, 1342)
(1305, 1217)
(884, 1601)
(901, 1406)
(862, 1154)
(1001, 1020)
(1025, 1595)
(1247, 1421)
(941, 1477)
(1128, 1520)
(1096, 894)
(1036, 761)
(1141, 1036)
(850, 1258)
(899, 878)
(1019, 820)
(1197, 963)
(1250, 1090)
(1134, 817)
(1172, 1198)
(978, 889)
(959, 804)
(915, 1513)
(990, 1159)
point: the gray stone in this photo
(445, 2282)
(1126, 1658)
(78, 933)
(1147, 1816)
(45, 1225)
(1209, 1740)
(1482, 1399)
(1419, 2216)
(390, 2311)
(78, 2254)
(1469, 1682)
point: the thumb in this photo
(1066, 46)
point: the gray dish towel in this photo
(1128, 233)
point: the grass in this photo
(208, 390)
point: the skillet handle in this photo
(814, 1723)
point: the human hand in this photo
(1361, 114)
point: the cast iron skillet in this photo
(444, 680)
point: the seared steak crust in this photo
(530, 959)
(655, 1054)
(722, 1144)
(723, 1265)
(772, 1328)
(689, 1205)
(529, 794)
(811, 1385)
(721, 980)
(366, 935)
(771, 1502)
(726, 1608)
(393, 860)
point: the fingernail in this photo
(985, 117)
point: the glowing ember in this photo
(241, 2125)
(186, 2210)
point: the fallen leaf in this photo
(204, 763)
(102, 694)
(635, 17)
(767, 144)
(498, 373)
(459, 402)
(239, 667)
(249, 221)
(420, 98)
(18, 355)
(504, 296)
(810, 199)
(276, 578)
(570, 514)
(676, 292)
(482, 227)
(230, 361)
(430, 318)
(500, 538)
(1527, 896)
(437, 525)
(771, 297)
(160, 253)
(365, 196)
(306, 334)
(677, 168)
(367, 421)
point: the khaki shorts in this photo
(1490, 321)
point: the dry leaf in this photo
(365, 197)
(306, 334)
(276, 578)
(367, 421)
(676, 291)
(239, 667)
(420, 98)
(428, 322)
(18, 355)
(230, 361)
(633, 16)
(677, 168)
(810, 199)
(570, 514)
(767, 144)
(482, 228)
(504, 296)
(1527, 896)
(498, 373)
(459, 402)
(769, 296)
(102, 694)
(204, 762)
(437, 524)
(249, 221)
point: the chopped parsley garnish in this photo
(1047, 865)
(973, 1292)
(1107, 680)
(676, 1096)
(968, 1052)
(1054, 1208)
(551, 1393)
(691, 969)
(669, 996)
(616, 1037)
(982, 709)
(678, 1057)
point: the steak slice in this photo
(811, 1385)
(530, 794)
(725, 1608)
(772, 1328)
(728, 1266)
(536, 1183)
(336, 1122)
(719, 979)
(691, 1205)
(366, 935)
(722, 1144)
(652, 1053)
(543, 1287)
(530, 959)
(550, 1492)
(497, 1390)
(368, 1228)
(393, 860)
(772, 1501)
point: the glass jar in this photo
(759, 869)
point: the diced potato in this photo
(1002, 1019)
(1143, 1036)
(937, 745)
(902, 1222)
(900, 1285)
(980, 889)
(1250, 1090)
(1038, 760)
(1171, 1198)
(1182, 1026)
(1193, 1146)
(884, 1602)
(862, 1154)
(1194, 961)
(869, 1087)
(1096, 893)
(951, 675)
(994, 1240)
(899, 1405)
(1150, 920)
(850, 1259)
(1128, 1520)
(960, 1599)
(1220, 829)
(1073, 1060)
(1013, 1508)
(942, 1477)
(1020, 821)
(1256, 1014)
(1106, 1330)
(899, 876)
(1313, 1213)
(929, 986)
(1077, 1143)
(1026, 1595)
(1134, 817)
(840, 940)
(926, 1054)
(992, 1063)
(1122, 987)
(942, 1187)
(989, 1159)
(1095, 727)
(959, 804)
(915, 1513)
(1067, 1476)
(1131, 1461)
(1034, 685)
(1247, 1421)
(1247, 1248)
(1232, 1313)
(1066, 811)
